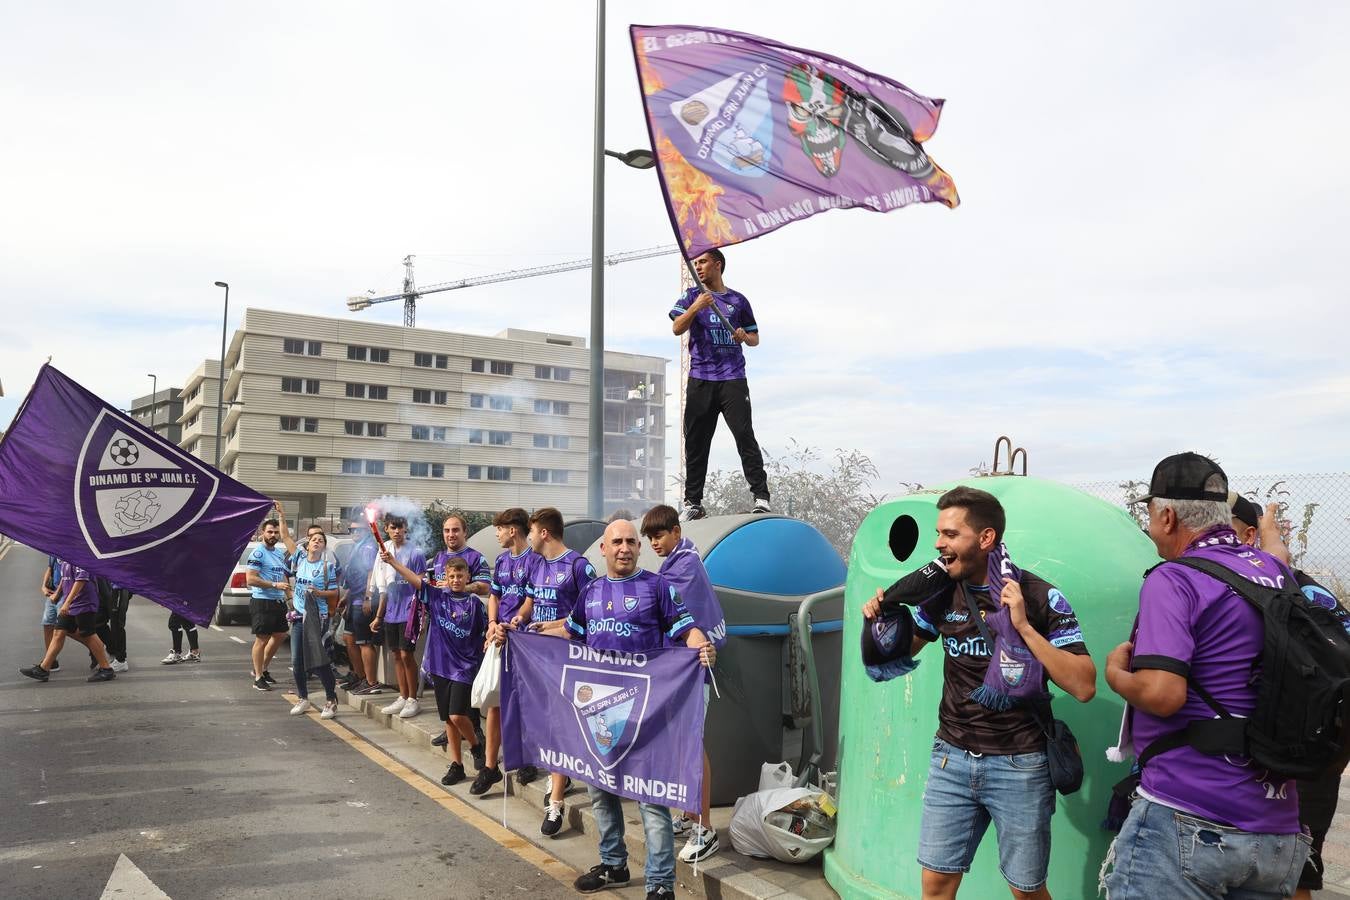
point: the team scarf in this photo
(1015, 676)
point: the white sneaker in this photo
(702, 844)
(762, 505)
(681, 825)
(119, 665)
(302, 707)
(394, 708)
(329, 710)
(410, 709)
(173, 657)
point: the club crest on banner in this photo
(131, 493)
(609, 708)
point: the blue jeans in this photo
(1163, 852)
(299, 669)
(660, 868)
(49, 609)
(967, 791)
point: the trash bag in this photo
(487, 682)
(777, 775)
(788, 824)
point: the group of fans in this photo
(390, 595)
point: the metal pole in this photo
(596, 428)
(154, 390)
(220, 370)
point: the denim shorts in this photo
(1164, 852)
(967, 791)
(49, 613)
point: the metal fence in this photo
(1314, 515)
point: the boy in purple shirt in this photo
(76, 616)
(717, 384)
(1236, 824)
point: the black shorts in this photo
(268, 616)
(394, 639)
(1316, 806)
(84, 624)
(359, 626)
(452, 697)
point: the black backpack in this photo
(1300, 727)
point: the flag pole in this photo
(726, 322)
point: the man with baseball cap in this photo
(1246, 518)
(1201, 825)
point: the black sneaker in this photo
(454, 774)
(267, 676)
(36, 672)
(526, 774)
(260, 684)
(693, 511)
(349, 681)
(479, 757)
(102, 675)
(554, 816)
(660, 892)
(601, 877)
(56, 666)
(485, 779)
(440, 740)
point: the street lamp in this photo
(154, 389)
(220, 368)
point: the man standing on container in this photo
(717, 385)
(987, 765)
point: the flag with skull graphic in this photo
(750, 134)
(82, 481)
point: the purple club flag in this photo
(751, 134)
(630, 723)
(86, 483)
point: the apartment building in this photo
(161, 412)
(329, 413)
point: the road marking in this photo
(215, 627)
(238, 640)
(130, 883)
(492, 829)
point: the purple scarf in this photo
(1015, 676)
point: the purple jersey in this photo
(684, 569)
(510, 578)
(636, 613)
(555, 584)
(456, 629)
(477, 563)
(713, 354)
(1194, 626)
(398, 592)
(87, 599)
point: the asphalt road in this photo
(207, 786)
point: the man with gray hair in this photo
(1201, 824)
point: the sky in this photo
(1148, 257)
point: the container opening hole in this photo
(904, 537)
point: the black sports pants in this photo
(704, 401)
(117, 624)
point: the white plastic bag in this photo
(754, 835)
(776, 776)
(487, 682)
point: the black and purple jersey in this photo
(713, 354)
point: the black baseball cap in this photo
(1187, 476)
(1245, 510)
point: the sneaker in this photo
(601, 877)
(260, 684)
(660, 892)
(394, 708)
(485, 779)
(194, 656)
(102, 675)
(56, 666)
(267, 676)
(761, 505)
(479, 757)
(526, 774)
(369, 689)
(329, 710)
(173, 658)
(349, 681)
(702, 844)
(554, 814)
(120, 665)
(410, 708)
(93, 663)
(302, 707)
(454, 774)
(681, 825)
(36, 672)
(692, 511)
(440, 740)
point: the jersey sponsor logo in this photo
(953, 616)
(609, 707)
(1059, 603)
(610, 626)
(1064, 636)
(971, 646)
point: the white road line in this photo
(238, 640)
(215, 627)
(130, 883)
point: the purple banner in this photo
(630, 723)
(82, 481)
(751, 134)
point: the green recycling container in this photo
(1095, 554)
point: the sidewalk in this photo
(725, 876)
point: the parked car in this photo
(235, 594)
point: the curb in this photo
(725, 876)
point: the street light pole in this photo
(220, 370)
(596, 427)
(154, 390)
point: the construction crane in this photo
(411, 292)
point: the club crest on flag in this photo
(609, 708)
(132, 494)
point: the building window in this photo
(293, 385)
(290, 423)
(377, 392)
(379, 355)
(311, 385)
(475, 435)
(496, 401)
(375, 429)
(190, 422)
(353, 428)
(354, 390)
(423, 360)
(355, 514)
(442, 361)
(368, 429)
(541, 441)
(311, 426)
(499, 473)
(553, 373)
(502, 368)
(438, 434)
(561, 441)
(193, 396)
(307, 463)
(288, 463)
(500, 438)
(477, 365)
(292, 345)
(357, 353)
(554, 407)
(351, 467)
(476, 401)
(421, 433)
(313, 348)
(426, 470)
(549, 476)
(374, 467)
(421, 395)
(475, 473)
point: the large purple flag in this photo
(82, 481)
(628, 723)
(751, 134)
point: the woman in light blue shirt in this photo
(316, 587)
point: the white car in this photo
(234, 596)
